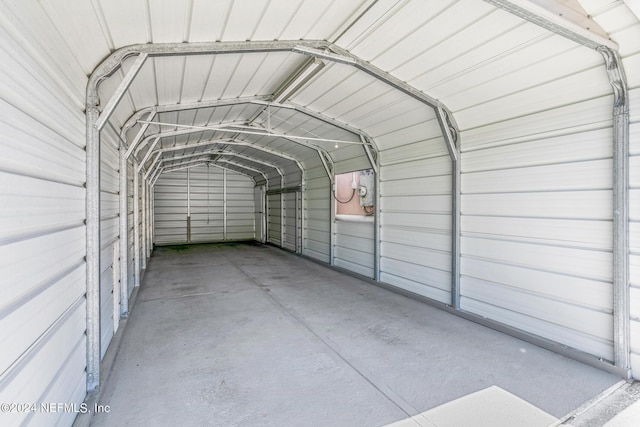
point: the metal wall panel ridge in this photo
(317, 215)
(415, 195)
(354, 245)
(42, 233)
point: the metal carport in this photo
(503, 136)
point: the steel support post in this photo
(456, 198)
(93, 249)
(621, 296)
(124, 235)
(224, 204)
(136, 223)
(189, 205)
(143, 234)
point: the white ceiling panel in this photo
(222, 71)
(247, 68)
(196, 73)
(208, 19)
(127, 22)
(143, 88)
(337, 15)
(401, 23)
(277, 17)
(529, 71)
(169, 73)
(78, 24)
(243, 18)
(425, 74)
(169, 20)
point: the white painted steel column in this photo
(149, 218)
(124, 235)
(332, 219)
(143, 237)
(224, 204)
(93, 247)
(188, 205)
(136, 225)
(621, 290)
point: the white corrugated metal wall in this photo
(221, 206)
(274, 219)
(534, 110)
(42, 205)
(415, 174)
(109, 232)
(317, 215)
(131, 274)
(625, 29)
(354, 245)
(537, 195)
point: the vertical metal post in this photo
(450, 135)
(376, 230)
(621, 303)
(149, 219)
(152, 229)
(93, 249)
(283, 218)
(124, 235)
(144, 226)
(456, 197)
(332, 219)
(266, 214)
(189, 205)
(297, 228)
(136, 224)
(224, 204)
(302, 210)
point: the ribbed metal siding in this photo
(240, 207)
(290, 221)
(274, 219)
(42, 235)
(208, 212)
(415, 197)
(170, 211)
(207, 204)
(131, 250)
(537, 223)
(317, 214)
(354, 249)
(109, 230)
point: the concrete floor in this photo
(245, 335)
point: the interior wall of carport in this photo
(42, 231)
(537, 197)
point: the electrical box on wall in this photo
(366, 191)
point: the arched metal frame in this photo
(96, 119)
